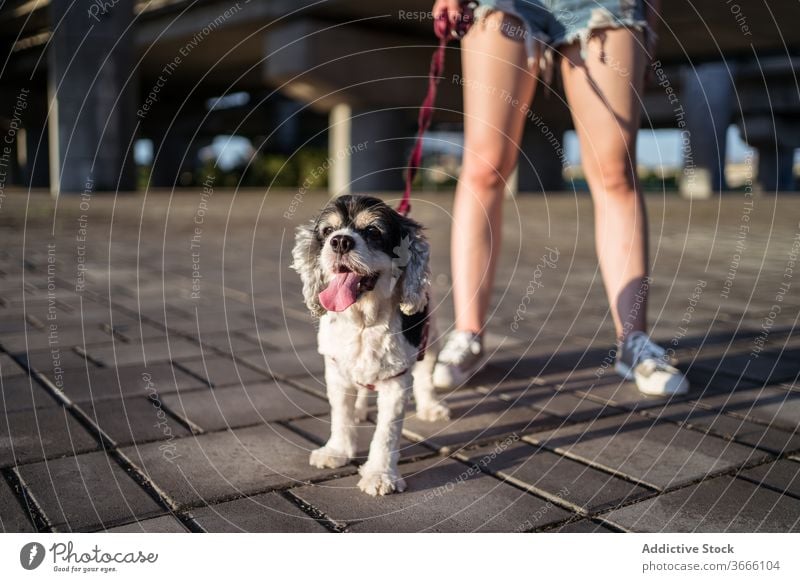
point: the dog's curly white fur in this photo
(371, 336)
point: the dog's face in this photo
(359, 246)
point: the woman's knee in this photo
(483, 177)
(616, 179)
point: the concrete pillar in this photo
(338, 141)
(37, 147)
(775, 168)
(368, 150)
(775, 137)
(92, 117)
(707, 100)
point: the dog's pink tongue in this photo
(341, 292)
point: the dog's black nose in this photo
(342, 243)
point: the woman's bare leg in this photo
(495, 73)
(603, 90)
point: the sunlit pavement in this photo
(159, 373)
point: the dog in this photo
(366, 275)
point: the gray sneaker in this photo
(645, 362)
(458, 359)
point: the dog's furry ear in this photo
(414, 256)
(305, 260)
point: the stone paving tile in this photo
(163, 524)
(443, 495)
(32, 435)
(86, 492)
(39, 339)
(14, 324)
(724, 504)
(767, 438)
(783, 475)
(705, 382)
(13, 516)
(318, 429)
(266, 513)
(295, 337)
(23, 393)
(44, 361)
(541, 361)
(9, 368)
(135, 380)
(229, 342)
(773, 406)
(476, 418)
(568, 406)
(222, 371)
(134, 420)
(286, 364)
(646, 450)
(209, 324)
(155, 351)
(613, 393)
(768, 368)
(582, 526)
(555, 477)
(135, 333)
(236, 406)
(200, 470)
(315, 384)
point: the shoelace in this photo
(457, 347)
(646, 353)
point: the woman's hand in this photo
(450, 7)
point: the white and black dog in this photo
(365, 273)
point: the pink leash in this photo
(446, 32)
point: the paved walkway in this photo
(159, 373)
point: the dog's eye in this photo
(326, 231)
(373, 232)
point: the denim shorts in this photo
(551, 23)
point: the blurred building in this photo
(83, 81)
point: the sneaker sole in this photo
(628, 375)
(463, 377)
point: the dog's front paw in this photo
(328, 458)
(381, 483)
(433, 412)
